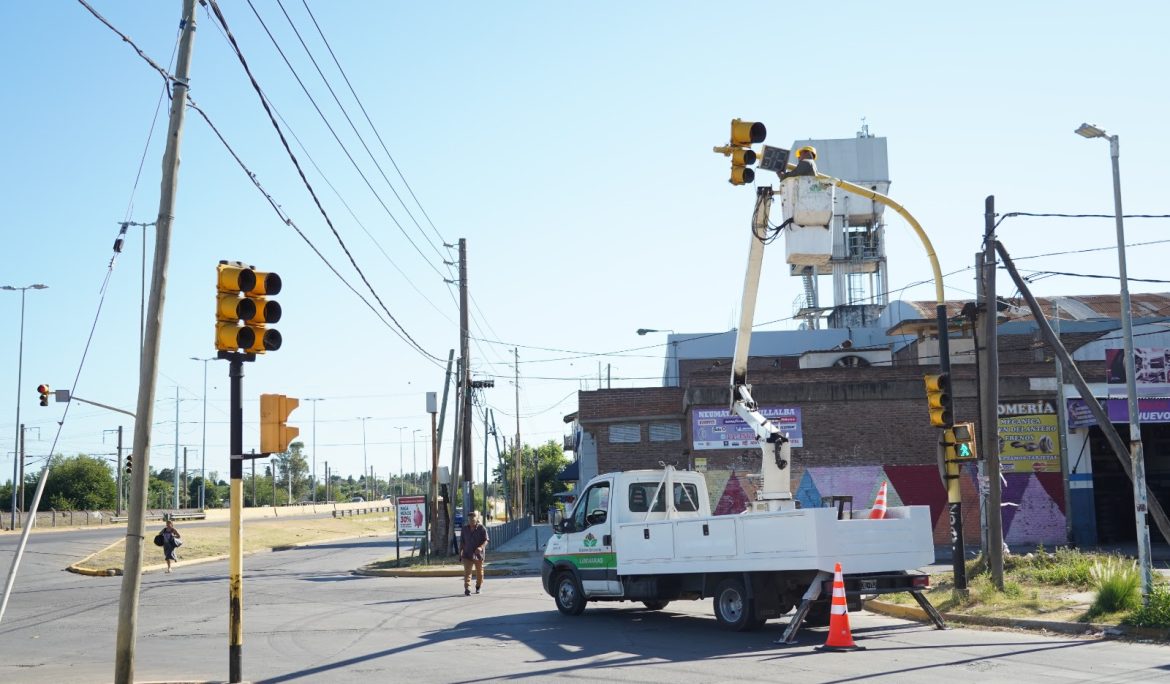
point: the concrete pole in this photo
(119, 511)
(465, 376)
(148, 369)
(1137, 460)
(1062, 429)
(990, 436)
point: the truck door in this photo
(591, 543)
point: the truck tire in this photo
(733, 610)
(655, 605)
(568, 595)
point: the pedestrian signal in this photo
(275, 434)
(938, 399)
(965, 442)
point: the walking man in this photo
(475, 541)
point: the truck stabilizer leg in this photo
(931, 611)
(813, 593)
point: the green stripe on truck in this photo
(587, 561)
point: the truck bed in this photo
(802, 539)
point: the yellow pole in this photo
(236, 578)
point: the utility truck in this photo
(649, 536)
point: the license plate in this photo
(868, 585)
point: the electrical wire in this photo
(308, 186)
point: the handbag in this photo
(176, 541)
(158, 539)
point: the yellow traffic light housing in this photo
(743, 135)
(965, 449)
(938, 399)
(243, 310)
(275, 434)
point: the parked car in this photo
(357, 499)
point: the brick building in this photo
(861, 418)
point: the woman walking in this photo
(171, 540)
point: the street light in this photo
(365, 469)
(401, 470)
(1137, 460)
(313, 479)
(672, 357)
(19, 368)
(203, 450)
(643, 331)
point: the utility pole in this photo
(148, 373)
(1061, 427)
(990, 436)
(486, 432)
(119, 511)
(175, 498)
(186, 497)
(518, 470)
(253, 482)
(21, 457)
(437, 546)
(455, 459)
(313, 479)
(465, 375)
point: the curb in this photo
(1078, 628)
(443, 571)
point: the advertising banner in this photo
(1149, 410)
(1029, 444)
(412, 516)
(1151, 367)
(713, 427)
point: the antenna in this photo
(864, 132)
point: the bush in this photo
(1157, 614)
(1117, 582)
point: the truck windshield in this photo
(686, 497)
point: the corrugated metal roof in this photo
(1074, 307)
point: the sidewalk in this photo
(521, 555)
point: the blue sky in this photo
(569, 143)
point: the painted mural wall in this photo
(1033, 510)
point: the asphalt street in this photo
(308, 619)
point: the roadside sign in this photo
(412, 516)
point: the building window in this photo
(665, 432)
(625, 433)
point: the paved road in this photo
(307, 619)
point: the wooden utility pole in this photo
(437, 545)
(148, 367)
(465, 376)
(517, 464)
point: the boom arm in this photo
(777, 490)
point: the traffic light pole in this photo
(951, 465)
(235, 521)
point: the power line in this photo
(308, 186)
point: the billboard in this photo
(1150, 366)
(713, 427)
(412, 516)
(1149, 411)
(1029, 437)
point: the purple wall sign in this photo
(1150, 411)
(716, 428)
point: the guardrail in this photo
(341, 513)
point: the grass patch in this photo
(208, 541)
(1052, 586)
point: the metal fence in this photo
(502, 533)
(52, 518)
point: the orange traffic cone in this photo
(879, 505)
(840, 638)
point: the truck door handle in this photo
(706, 532)
(645, 532)
(606, 540)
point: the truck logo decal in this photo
(589, 541)
(587, 561)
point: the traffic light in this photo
(743, 135)
(275, 435)
(45, 391)
(243, 310)
(938, 399)
(965, 442)
(129, 463)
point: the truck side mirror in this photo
(557, 519)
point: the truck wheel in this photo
(733, 611)
(655, 605)
(570, 600)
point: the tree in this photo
(293, 464)
(78, 483)
(548, 459)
